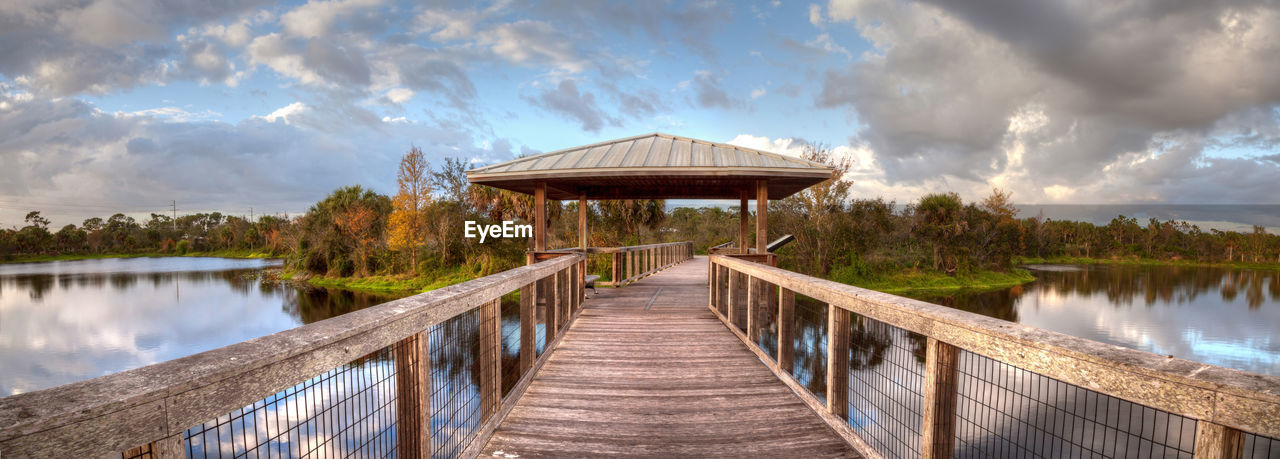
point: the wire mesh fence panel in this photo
(1005, 411)
(1259, 447)
(347, 411)
(886, 386)
(511, 371)
(739, 300)
(455, 383)
(767, 319)
(809, 360)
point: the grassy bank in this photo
(95, 256)
(917, 281)
(1141, 262)
(391, 284)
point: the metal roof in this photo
(653, 166)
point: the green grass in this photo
(917, 281)
(95, 256)
(1136, 261)
(393, 284)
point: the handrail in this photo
(1226, 403)
(632, 263)
(156, 403)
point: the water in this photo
(67, 321)
(1219, 316)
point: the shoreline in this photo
(1269, 266)
(233, 254)
(924, 282)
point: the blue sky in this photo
(128, 104)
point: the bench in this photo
(590, 281)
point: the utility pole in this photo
(250, 215)
(175, 217)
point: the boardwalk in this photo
(645, 376)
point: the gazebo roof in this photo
(653, 166)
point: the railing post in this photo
(615, 268)
(938, 428)
(1216, 441)
(528, 328)
(711, 284)
(547, 292)
(732, 306)
(413, 396)
(753, 310)
(490, 358)
(837, 361)
(786, 329)
(172, 447)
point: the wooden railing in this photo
(630, 264)
(431, 374)
(903, 378)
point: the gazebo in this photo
(654, 166)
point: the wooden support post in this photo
(413, 396)
(753, 310)
(1216, 441)
(172, 447)
(762, 212)
(938, 427)
(582, 220)
(786, 329)
(490, 358)
(838, 361)
(547, 292)
(540, 217)
(528, 328)
(616, 269)
(731, 307)
(711, 284)
(742, 223)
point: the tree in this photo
(1000, 204)
(816, 209)
(940, 222)
(407, 226)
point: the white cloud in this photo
(815, 14)
(399, 95)
(319, 18)
(757, 93)
(285, 112)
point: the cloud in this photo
(758, 92)
(565, 100)
(98, 46)
(708, 92)
(534, 43)
(63, 150)
(947, 89)
(320, 18)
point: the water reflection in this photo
(1225, 317)
(62, 322)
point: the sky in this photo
(128, 105)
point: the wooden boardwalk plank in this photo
(667, 381)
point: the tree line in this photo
(355, 231)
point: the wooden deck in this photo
(639, 375)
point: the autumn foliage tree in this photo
(407, 226)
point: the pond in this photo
(67, 321)
(1220, 316)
